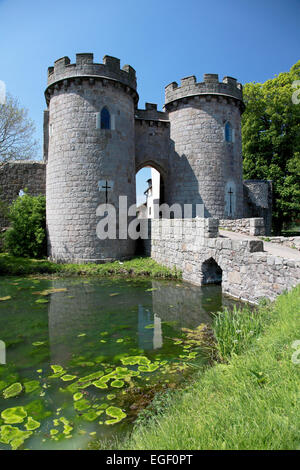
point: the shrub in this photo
(27, 234)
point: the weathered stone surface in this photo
(80, 155)
(258, 202)
(246, 274)
(186, 142)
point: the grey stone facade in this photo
(186, 142)
(203, 163)
(80, 155)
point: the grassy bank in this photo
(10, 265)
(250, 401)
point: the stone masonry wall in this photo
(81, 154)
(248, 273)
(202, 163)
(258, 201)
(152, 139)
(253, 226)
(18, 175)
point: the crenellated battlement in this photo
(151, 114)
(229, 87)
(85, 67)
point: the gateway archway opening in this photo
(150, 192)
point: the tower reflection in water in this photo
(89, 318)
(150, 329)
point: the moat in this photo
(82, 354)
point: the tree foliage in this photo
(16, 132)
(27, 234)
(271, 141)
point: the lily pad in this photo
(68, 377)
(14, 415)
(31, 424)
(77, 396)
(82, 404)
(132, 360)
(13, 436)
(41, 301)
(90, 415)
(39, 343)
(13, 390)
(111, 396)
(117, 383)
(115, 413)
(31, 386)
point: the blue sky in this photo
(164, 40)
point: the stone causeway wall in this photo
(249, 226)
(195, 247)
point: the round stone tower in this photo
(206, 154)
(91, 156)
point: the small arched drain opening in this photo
(211, 272)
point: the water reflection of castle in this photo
(91, 309)
(149, 329)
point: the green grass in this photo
(250, 402)
(236, 329)
(136, 267)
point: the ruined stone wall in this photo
(248, 272)
(258, 201)
(18, 175)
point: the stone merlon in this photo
(86, 67)
(229, 87)
(150, 113)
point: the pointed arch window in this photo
(105, 118)
(228, 132)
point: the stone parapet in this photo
(229, 88)
(150, 113)
(63, 73)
